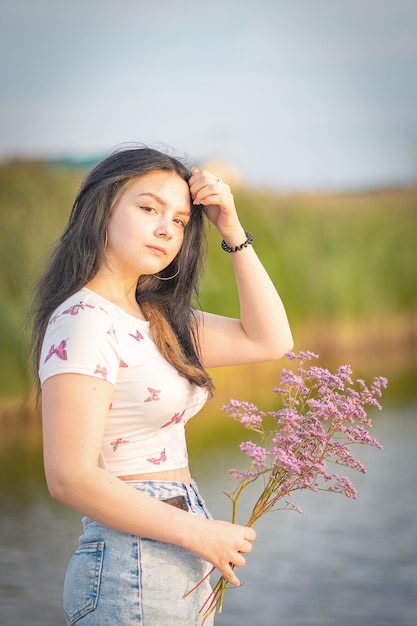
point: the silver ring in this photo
(218, 181)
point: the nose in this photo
(164, 228)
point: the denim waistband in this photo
(165, 489)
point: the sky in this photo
(294, 94)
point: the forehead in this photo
(164, 186)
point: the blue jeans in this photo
(118, 579)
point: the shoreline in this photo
(376, 346)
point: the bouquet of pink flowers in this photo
(322, 416)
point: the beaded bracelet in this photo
(245, 244)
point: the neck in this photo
(121, 293)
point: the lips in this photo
(157, 249)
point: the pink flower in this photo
(254, 452)
(323, 414)
(247, 414)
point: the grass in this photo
(340, 261)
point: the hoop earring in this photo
(167, 277)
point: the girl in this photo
(122, 357)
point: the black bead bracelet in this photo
(245, 244)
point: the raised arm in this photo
(262, 333)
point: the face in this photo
(146, 228)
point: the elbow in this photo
(282, 345)
(290, 343)
(63, 486)
(59, 489)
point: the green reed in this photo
(332, 256)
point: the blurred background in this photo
(308, 109)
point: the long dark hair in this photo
(78, 254)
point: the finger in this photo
(197, 173)
(250, 533)
(208, 197)
(239, 560)
(211, 193)
(246, 547)
(201, 179)
(196, 185)
(229, 574)
(197, 178)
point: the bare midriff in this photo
(181, 475)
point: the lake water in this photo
(343, 562)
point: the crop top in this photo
(152, 401)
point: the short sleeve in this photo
(80, 339)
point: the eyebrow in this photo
(158, 199)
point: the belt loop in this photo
(191, 496)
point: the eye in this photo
(147, 209)
(181, 222)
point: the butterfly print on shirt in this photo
(118, 442)
(154, 395)
(162, 458)
(175, 419)
(112, 334)
(60, 351)
(138, 336)
(73, 310)
(101, 370)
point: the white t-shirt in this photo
(151, 402)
